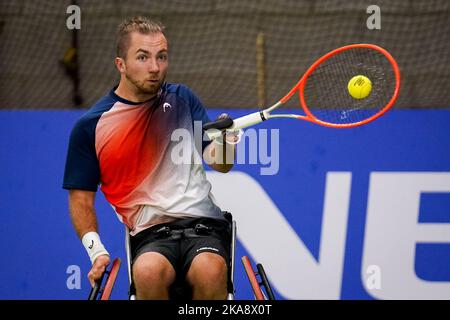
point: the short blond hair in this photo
(139, 24)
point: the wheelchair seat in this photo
(180, 290)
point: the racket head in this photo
(323, 92)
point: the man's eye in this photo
(142, 58)
(163, 57)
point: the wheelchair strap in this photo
(198, 231)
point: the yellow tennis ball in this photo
(359, 87)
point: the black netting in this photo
(213, 47)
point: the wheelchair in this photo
(180, 290)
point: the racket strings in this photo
(326, 93)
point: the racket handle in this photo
(240, 123)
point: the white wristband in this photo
(94, 247)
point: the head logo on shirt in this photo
(166, 105)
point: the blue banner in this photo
(358, 213)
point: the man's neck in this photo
(125, 91)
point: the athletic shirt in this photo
(144, 157)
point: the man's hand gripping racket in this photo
(348, 87)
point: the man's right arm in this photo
(84, 220)
(82, 212)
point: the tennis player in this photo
(123, 143)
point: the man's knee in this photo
(153, 269)
(208, 270)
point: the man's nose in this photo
(153, 66)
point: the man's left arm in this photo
(220, 154)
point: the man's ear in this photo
(120, 64)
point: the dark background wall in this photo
(213, 47)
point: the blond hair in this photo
(139, 24)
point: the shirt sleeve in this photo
(82, 170)
(198, 114)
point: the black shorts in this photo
(180, 241)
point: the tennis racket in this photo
(324, 90)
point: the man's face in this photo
(146, 62)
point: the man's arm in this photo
(82, 212)
(84, 220)
(221, 152)
(220, 156)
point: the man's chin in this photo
(150, 89)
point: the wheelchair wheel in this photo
(265, 281)
(257, 292)
(105, 291)
(257, 285)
